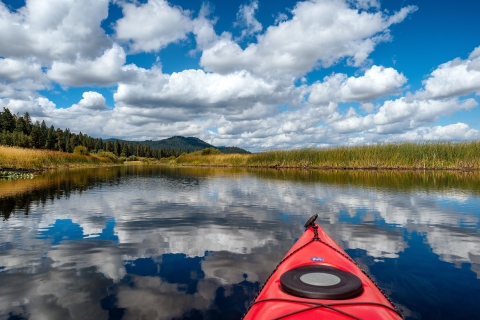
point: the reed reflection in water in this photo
(152, 242)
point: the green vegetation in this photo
(233, 150)
(81, 150)
(177, 145)
(210, 151)
(442, 155)
(19, 131)
(9, 175)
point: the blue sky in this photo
(256, 74)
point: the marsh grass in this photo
(218, 160)
(442, 155)
(33, 159)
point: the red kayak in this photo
(318, 280)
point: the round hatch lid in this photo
(321, 282)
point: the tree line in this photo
(19, 131)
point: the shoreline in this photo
(36, 170)
(428, 156)
(326, 168)
(207, 165)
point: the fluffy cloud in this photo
(13, 70)
(319, 33)
(398, 115)
(198, 93)
(246, 19)
(454, 78)
(21, 75)
(105, 70)
(36, 106)
(93, 101)
(54, 29)
(455, 132)
(153, 25)
(377, 81)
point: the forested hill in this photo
(184, 144)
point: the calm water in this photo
(164, 243)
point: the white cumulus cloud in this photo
(399, 115)
(54, 29)
(21, 75)
(193, 93)
(108, 69)
(320, 33)
(152, 26)
(93, 101)
(454, 78)
(452, 132)
(377, 81)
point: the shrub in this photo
(208, 151)
(81, 150)
(107, 154)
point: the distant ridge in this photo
(184, 144)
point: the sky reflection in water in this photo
(168, 243)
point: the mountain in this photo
(184, 144)
(232, 150)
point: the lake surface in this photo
(151, 242)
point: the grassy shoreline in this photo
(401, 156)
(14, 159)
(463, 156)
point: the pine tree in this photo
(37, 136)
(66, 139)
(108, 146)
(74, 141)
(138, 151)
(7, 120)
(44, 128)
(21, 126)
(116, 148)
(51, 138)
(60, 143)
(28, 123)
(98, 145)
(131, 149)
(124, 150)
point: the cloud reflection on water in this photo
(235, 228)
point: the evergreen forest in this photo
(19, 131)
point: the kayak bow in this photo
(318, 280)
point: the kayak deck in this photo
(318, 280)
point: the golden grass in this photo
(218, 160)
(442, 155)
(20, 158)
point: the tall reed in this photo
(19, 158)
(441, 155)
